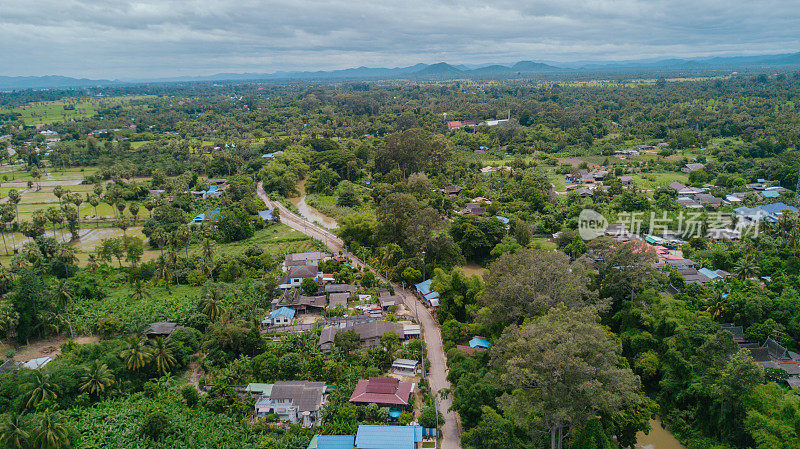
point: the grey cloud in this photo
(163, 38)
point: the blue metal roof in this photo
(332, 442)
(388, 437)
(430, 295)
(503, 220)
(761, 180)
(770, 194)
(479, 343)
(776, 208)
(265, 214)
(709, 274)
(285, 311)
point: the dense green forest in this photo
(591, 340)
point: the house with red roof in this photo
(383, 391)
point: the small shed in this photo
(160, 329)
(265, 215)
(405, 367)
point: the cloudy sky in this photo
(143, 39)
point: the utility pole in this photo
(424, 276)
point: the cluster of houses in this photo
(771, 354)
(301, 401)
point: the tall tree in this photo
(527, 283)
(562, 370)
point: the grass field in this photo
(54, 111)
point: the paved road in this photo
(437, 377)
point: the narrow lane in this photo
(437, 376)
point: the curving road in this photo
(437, 377)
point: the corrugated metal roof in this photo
(332, 442)
(388, 437)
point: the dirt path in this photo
(50, 347)
(437, 377)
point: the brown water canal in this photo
(657, 438)
(309, 213)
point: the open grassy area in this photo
(69, 108)
(652, 181)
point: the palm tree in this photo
(94, 200)
(163, 355)
(40, 389)
(97, 378)
(51, 433)
(139, 291)
(14, 198)
(211, 304)
(133, 208)
(13, 433)
(59, 192)
(746, 268)
(64, 298)
(137, 354)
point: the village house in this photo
(369, 332)
(452, 190)
(387, 300)
(338, 299)
(211, 216)
(626, 180)
(688, 168)
(283, 316)
(472, 209)
(295, 276)
(383, 391)
(293, 401)
(301, 303)
(307, 258)
(428, 294)
(373, 437)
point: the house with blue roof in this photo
(503, 220)
(388, 437)
(713, 276)
(332, 442)
(280, 317)
(427, 293)
(271, 156)
(266, 215)
(479, 343)
(211, 216)
(775, 210)
(770, 194)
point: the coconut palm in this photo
(97, 378)
(746, 268)
(163, 355)
(139, 291)
(211, 304)
(40, 389)
(50, 431)
(13, 432)
(64, 299)
(136, 354)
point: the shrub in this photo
(156, 424)
(190, 395)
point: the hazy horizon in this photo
(159, 39)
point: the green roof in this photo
(265, 389)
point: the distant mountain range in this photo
(443, 70)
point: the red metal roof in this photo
(382, 390)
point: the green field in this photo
(54, 111)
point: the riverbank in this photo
(308, 212)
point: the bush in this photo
(190, 395)
(196, 277)
(427, 418)
(189, 337)
(156, 425)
